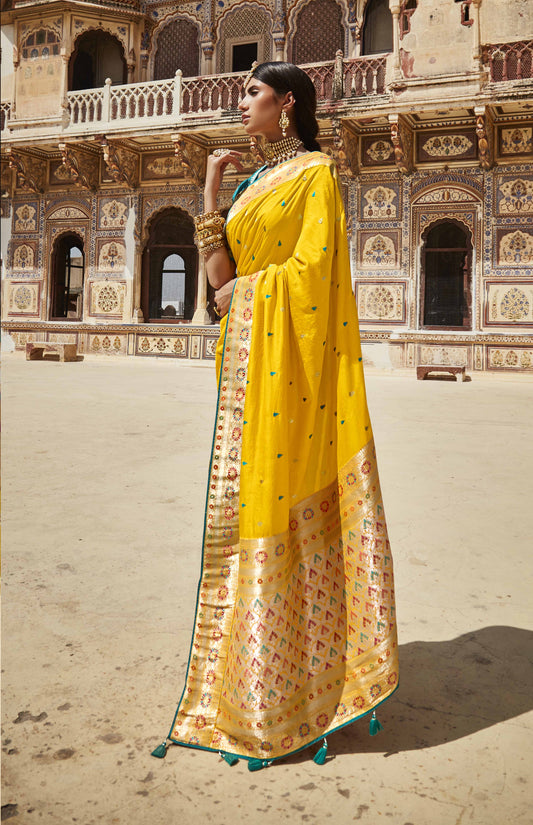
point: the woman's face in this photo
(261, 109)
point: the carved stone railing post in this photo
(106, 105)
(338, 76)
(176, 96)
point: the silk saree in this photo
(295, 632)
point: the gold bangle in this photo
(206, 216)
(218, 244)
(207, 239)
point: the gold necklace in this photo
(281, 150)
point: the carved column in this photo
(132, 62)
(478, 63)
(201, 315)
(137, 314)
(402, 140)
(63, 89)
(485, 139)
(352, 27)
(208, 38)
(395, 10)
(279, 30)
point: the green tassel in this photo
(161, 750)
(257, 764)
(229, 758)
(375, 725)
(320, 756)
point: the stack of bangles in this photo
(209, 232)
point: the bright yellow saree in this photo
(295, 631)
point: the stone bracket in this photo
(485, 137)
(192, 157)
(402, 141)
(122, 165)
(82, 166)
(30, 170)
(345, 149)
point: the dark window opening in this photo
(97, 56)
(447, 263)
(68, 268)
(377, 28)
(170, 263)
(243, 55)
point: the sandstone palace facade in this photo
(109, 110)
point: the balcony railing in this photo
(509, 61)
(135, 102)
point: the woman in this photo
(295, 633)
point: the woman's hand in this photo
(223, 297)
(216, 166)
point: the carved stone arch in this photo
(293, 13)
(240, 23)
(447, 192)
(456, 219)
(67, 211)
(153, 215)
(169, 266)
(162, 25)
(113, 34)
(66, 297)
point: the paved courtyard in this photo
(104, 473)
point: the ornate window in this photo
(68, 269)
(41, 43)
(97, 56)
(377, 28)
(177, 48)
(319, 32)
(244, 32)
(169, 274)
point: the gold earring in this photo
(283, 123)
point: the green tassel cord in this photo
(257, 764)
(229, 758)
(375, 725)
(161, 751)
(320, 756)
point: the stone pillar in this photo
(201, 315)
(395, 10)
(478, 63)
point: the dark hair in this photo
(286, 77)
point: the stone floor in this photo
(105, 464)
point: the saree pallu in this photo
(295, 631)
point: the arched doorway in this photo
(446, 276)
(67, 270)
(97, 56)
(377, 28)
(169, 269)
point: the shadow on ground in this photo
(448, 690)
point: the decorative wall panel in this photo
(378, 302)
(111, 256)
(514, 195)
(378, 250)
(438, 146)
(377, 150)
(112, 213)
(24, 258)
(509, 304)
(515, 247)
(23, 298)
(174, 345)
(106, 299)
(517, 140)
(507, 358)
(381, 202)
(26, 217)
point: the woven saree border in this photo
(282, 173)
(220, 549)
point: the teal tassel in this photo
(161, 750)
(229, 758)
(320, 756)
(257, 764)
(375, 725)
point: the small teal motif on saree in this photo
(253, 257)
(344, 323)
(279, 243)
(268, 296)
(360, 359)
(283, 203)
(311, 435)
(238, 241)
(244, 463)
(272, 373)
(280, 497)
(275, 414)
(343, 420)
(280, 455)
(269, 334)
(314, 308)
(313, 195)
(322, 406)
(324, 248)
(243, 505)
